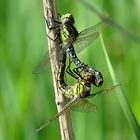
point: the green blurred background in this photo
(28, 100)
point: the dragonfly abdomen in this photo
(71, 52)
(81, 88)
(97, 75)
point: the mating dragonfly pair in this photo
(72, 43)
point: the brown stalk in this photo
(64, 119)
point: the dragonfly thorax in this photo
(68, 31)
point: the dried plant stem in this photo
(65, 119)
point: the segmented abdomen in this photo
(71, 52)
(80, 88)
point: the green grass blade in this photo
(121, 95)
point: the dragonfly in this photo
(78, 93)
(69, 34)
(81, 88)
(79, 104)
(73, 43)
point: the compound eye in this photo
(69, 20)
(72, 19)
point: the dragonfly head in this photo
(67, 19)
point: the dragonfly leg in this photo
(58, 14)
(77, 72)
(49, 25)
(53, 18)
(69, 71)
(57, 35)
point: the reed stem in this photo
(64, 119)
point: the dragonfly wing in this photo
(44, 64)
(45, 61)
(87, 36)
(84, 106)
(84, 42)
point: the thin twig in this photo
(65, 119)
(113, 23)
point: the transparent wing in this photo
(45, 61)
(78, 104)
(87, 36)
(84, 106)
(44, 64)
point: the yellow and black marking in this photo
(81, 88)
(69, 35)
